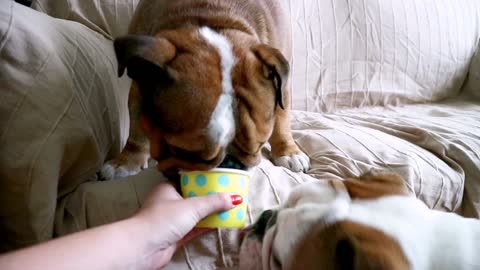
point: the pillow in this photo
(111, 18)
(366, 53)
(347, 53)
(63, 111)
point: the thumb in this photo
(202, 207)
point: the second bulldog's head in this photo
(202, 97)
(271, 243)
(333, 225)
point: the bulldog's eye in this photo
(272, 220)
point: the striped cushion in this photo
(355, 53)
(349, 53)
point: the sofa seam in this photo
(37, 155)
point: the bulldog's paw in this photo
(296, 163)
(124, 165)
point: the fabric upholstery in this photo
(110, 18)
(358, 53)
(378, 85)
(62, 112)
(348, 53)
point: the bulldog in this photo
(371, 223)
(210, 86)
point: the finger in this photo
(201, 207)
(167, 191)
(163, 257)
(192, 235)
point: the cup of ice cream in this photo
(204, 183)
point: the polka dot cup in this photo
(203, 183)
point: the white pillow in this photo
(62, 112)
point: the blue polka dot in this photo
(241, 214)
(185, 180)
(211, 193)
(201, 180)
(224, 216)
(245, 199)
(243, 183)
(224, 180)
(192, 194)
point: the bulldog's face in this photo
(313, 230)
(202, 97)
(272, 241)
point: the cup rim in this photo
(220, 170)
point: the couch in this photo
(378, 86)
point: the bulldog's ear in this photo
(276, 70)
(361, 247)
(376, 186)
(144, 57)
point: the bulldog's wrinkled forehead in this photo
(222, 122)
(203, 95)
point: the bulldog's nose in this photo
(232, 162)
(201, 158)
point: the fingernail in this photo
(236, 199)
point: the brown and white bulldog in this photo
(210, 81)
(371, 223)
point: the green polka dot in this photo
(185, 180)
(224, 216)
(211, 193)
(241, 214)
(192, 194)
(224, 181)
(201, 180)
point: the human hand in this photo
(145, 241)
(168, 220)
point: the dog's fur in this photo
(369, 223)
(210, 78)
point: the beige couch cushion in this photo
(387, 52)
(472, 85)
(433, 146)
(108, 17)
(62, 111)
(348, 53)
